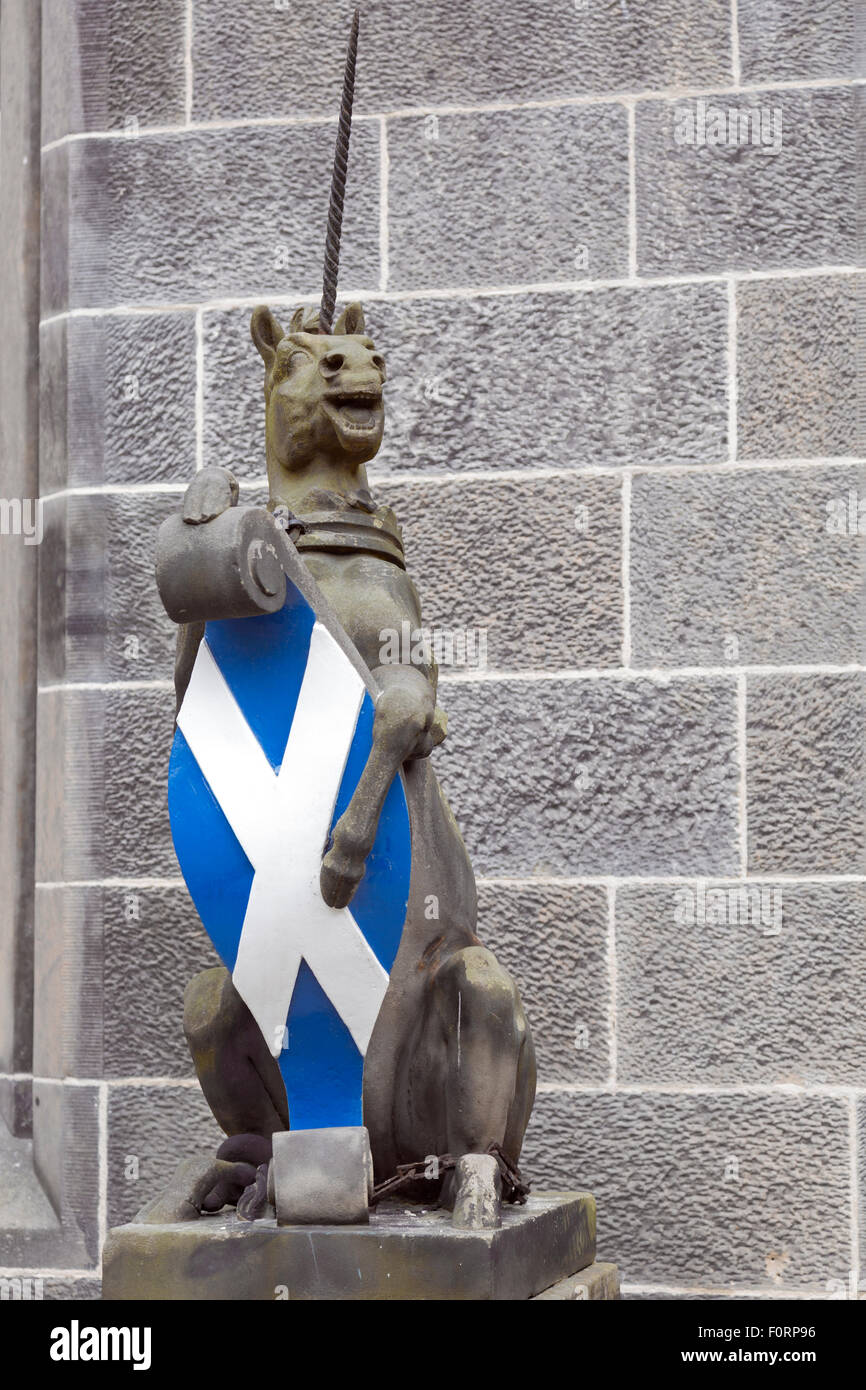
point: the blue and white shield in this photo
(272, 736)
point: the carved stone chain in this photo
(514, 1188)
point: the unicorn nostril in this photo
(332, 362)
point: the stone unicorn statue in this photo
(450, 1066)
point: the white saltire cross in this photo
(282, 822)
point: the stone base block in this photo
(404, 1253)
(594, 1282)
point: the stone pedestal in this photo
(404, 1253)
(595, 1282)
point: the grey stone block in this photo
(65, 1159)
(466, 545)
(68, 982)
(154, 944)
(19, 372)
(402, 1254)
(108, 62)
(739, 568)
(150, 1129)
(114, 627)
(16, 1105)
(508, 197)
(629, 376)
(805, 774)
(658, 1163)
(50, 832)
(54, 213)
(138, 638)
(861, 1195)
(234, 405)
(322, 1177)
(445, 53)
(555, 777)
(802, 39)
(35, 1287)
(602, 393)
(797, 367)
(71, 1290)
(138, 730)
(101, 795)
(117, 400)
(25, 1208)
(552, 938)
(51, 600)
(31, 1233)
(596, 1282)
(773, 985)
(741, 207)
(200, 215)
(727, 1295)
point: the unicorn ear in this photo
(266, 334)
(351, 320)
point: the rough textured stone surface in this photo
(118, 400)
(797, 367)
(107, 63)
(466, 543)
(657, 1166)
(616, 376)
(154, 944)
(798, 39)
(106, 755)
(443, 53)
(553, 939)
(72, 1290)
(233, 396)
(725, 1295)
(583, 777)
(115, 625)
(150, 1129)
(749, 572)
(137, 730)
(773, 987)
(508, 197)
(593, 375)
(743, 207)
(247, 207)
(805, 774)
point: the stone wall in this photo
(620, 312)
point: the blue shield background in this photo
(263, 661)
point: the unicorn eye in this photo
(289, 362)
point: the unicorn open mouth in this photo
(356, 412)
